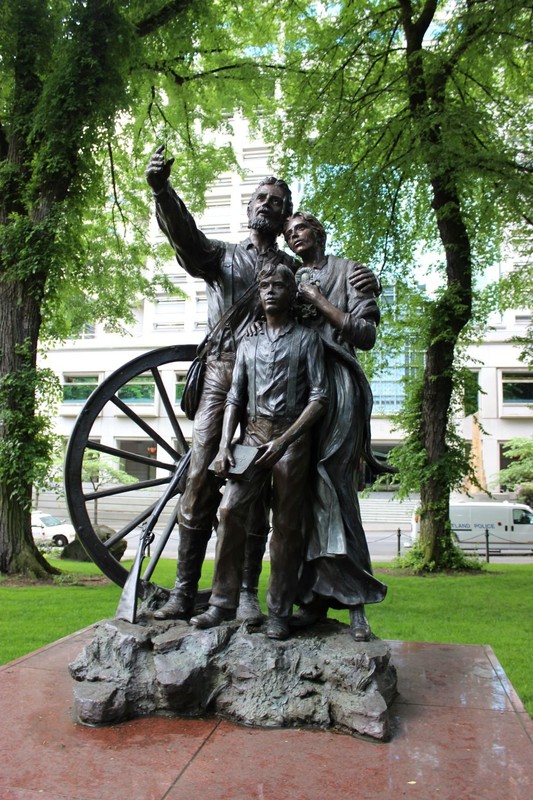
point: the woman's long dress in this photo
(337, 566)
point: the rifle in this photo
(127, 606)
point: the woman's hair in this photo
(313, 223)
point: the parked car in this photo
(50, 529)
(509, 525)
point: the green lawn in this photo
(494, 607)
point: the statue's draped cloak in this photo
(337, 565)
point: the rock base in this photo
(320, 677)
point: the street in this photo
(382, 543)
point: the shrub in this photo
(525, 494)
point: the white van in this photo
(510, 526)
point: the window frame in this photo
(144, 379)
(81, 400)
(521, 406)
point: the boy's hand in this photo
(271, 453)
(224, 461)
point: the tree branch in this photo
(165, 14)
(477, 83)
(426, 18)
(415, 31)
(116, 202)
(390, 224)
(179, 80)
(471, 31)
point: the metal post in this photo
(487, 556)
(399, 542)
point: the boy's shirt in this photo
(278, 376)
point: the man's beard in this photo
(262, 224)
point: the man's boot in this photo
(213, 617)
(191, 554)
(249, 607)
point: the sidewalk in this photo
(459, 733)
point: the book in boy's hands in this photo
(245, 457)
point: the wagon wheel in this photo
(81, 496)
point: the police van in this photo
(509, 526)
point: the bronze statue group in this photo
(281, 367)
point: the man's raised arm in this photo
(197, 254)
(158, 171)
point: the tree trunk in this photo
(450, 314)
(434, 491)
(19, 329)
(18, 553)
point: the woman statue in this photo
(337, 572)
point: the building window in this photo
(217, 229)
(517, 388)
(220, 201)
(146, 448)
(388, 297)
(180, 386)
(177, 278)
(388, 388)
(78, 388)
(253, 153)
(169, 313)
(222, 182)
(389, 391)
(88, 331)
(252, 180)
(200, 311)
(140, 389)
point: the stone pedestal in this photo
(320, 677)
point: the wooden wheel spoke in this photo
(144, 426)
(129, 456)
(169, 408)
(122, 488)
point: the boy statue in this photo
(279, 385)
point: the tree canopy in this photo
(408, 121)
(87, 87)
